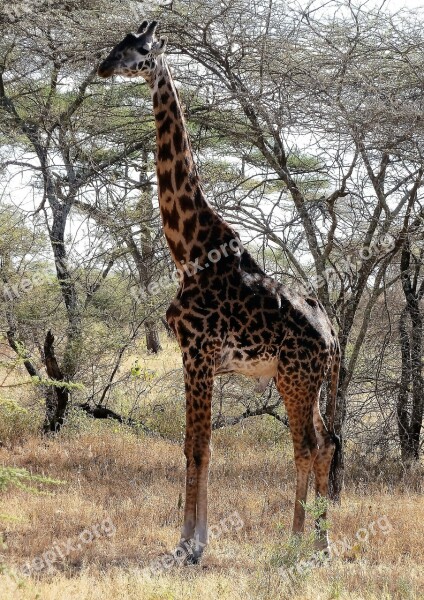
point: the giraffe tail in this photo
(334, 385)
(337, 460)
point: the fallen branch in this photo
(222, 421)
(101, 412)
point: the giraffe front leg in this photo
(187, 532)
(194, 534)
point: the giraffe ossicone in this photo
(230, 317)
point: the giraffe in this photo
(228, 315)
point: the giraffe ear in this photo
(159, 47)
(142, 27)
(150, 31)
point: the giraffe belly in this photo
(262, 366)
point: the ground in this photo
(121, 505)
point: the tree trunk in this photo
(145, 265)
(152, 337)
(417, 412)
(410, 401)
(55, 413)
(337, 469)
(57, 402)
(405, 382)
(72, 348)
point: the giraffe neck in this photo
(192, 227)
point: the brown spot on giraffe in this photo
(165, 181)
(178, 140)
(230, 317)
(165, 152)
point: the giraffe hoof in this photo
(322, 557)
(193, 559)
(322, 546)
(188, 552)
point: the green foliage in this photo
(13, 477)
(143, 373)
(298, 555)
(67, 385)
(15, 238)
(316, 509)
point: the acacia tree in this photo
(70, 138)
(318, 113)
(325, 106)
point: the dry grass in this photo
(135, 483)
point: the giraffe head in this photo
(135, 55)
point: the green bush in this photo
(16, 422)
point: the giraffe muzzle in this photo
(105, 69)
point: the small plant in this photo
(3, 546)
(336, 590)
(405, 589)
(5, 570)
(20, 478)
(298, 556)
(298, 548)
(316, 509)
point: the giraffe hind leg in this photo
(299, 406)
(321, 469)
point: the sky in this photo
(389, 5)
(404, 3)
(392, 5)
(395, 4)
